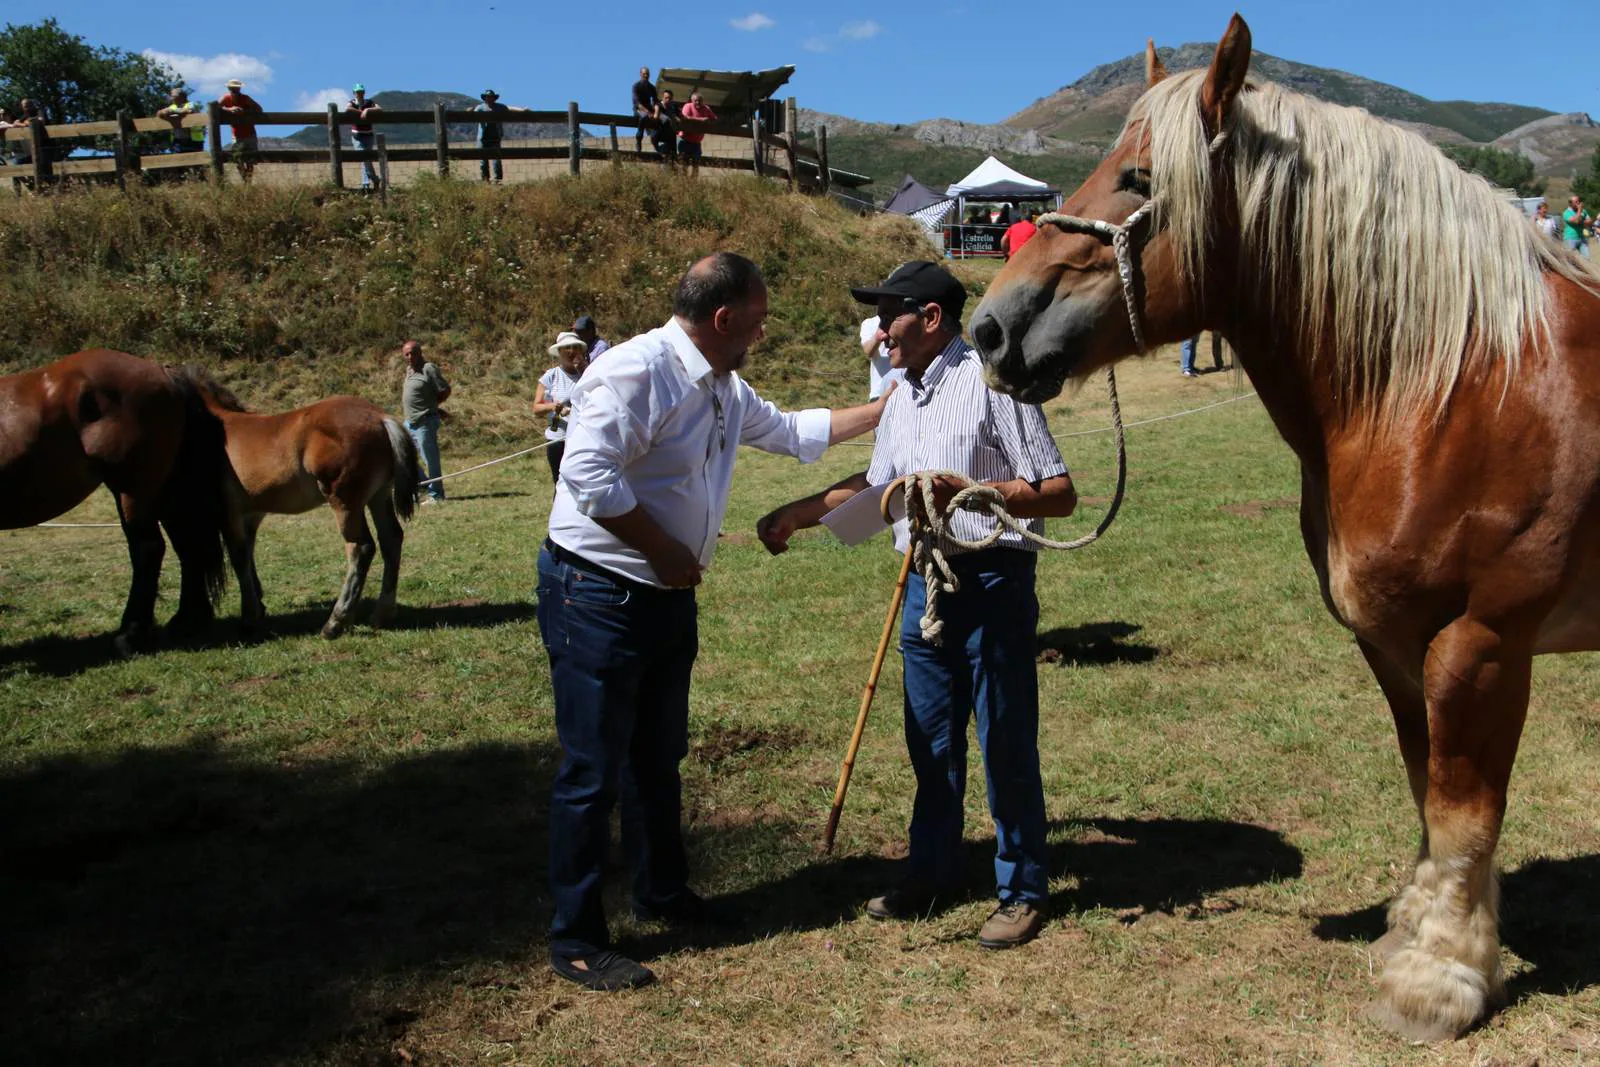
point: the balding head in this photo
(721, 303)
(412, 351)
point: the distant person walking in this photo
(423, 390)
(184, 139)
(552, 397)
(644, 106)
(1574, 221)
(691, 143)
(361, 133)
(241, 106)
(1018, 234)
(491, 135)
(1189, 346)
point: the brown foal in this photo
(342, 451)
(103, 417)
(1437, 373)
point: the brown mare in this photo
(342, 451)
(103, 417)
(1435, 365)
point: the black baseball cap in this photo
(923, 282)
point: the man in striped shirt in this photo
(943, 417)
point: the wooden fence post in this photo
(575, 135)
(335, 148)
(383, 169)
(214, 121)
(127, 149)
(791, 119)
(616, 158)
(441, 142)
(43, 166)
(822, 157)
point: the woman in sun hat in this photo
(553, 394)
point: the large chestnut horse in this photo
(103, 417)
(343, 452)
(1433, 361)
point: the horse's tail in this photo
(194, 506)
(407, 467)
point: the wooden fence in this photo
(773, 155)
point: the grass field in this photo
(304, 852)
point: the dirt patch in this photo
(137, 692)
(245, 685)
(1255, 509)
(718, 743)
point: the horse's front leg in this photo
(239, 534)
(359, 550)
(1447, 975)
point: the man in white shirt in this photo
(942, 417)
(644, 484)
(879, 368)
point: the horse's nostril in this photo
(987, 333)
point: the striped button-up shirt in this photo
(947, 419)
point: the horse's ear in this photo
(1153, 70)
(1226, 76)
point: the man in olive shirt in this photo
(424, 390)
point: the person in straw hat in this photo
(241, 105)
(553, 395)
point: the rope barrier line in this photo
(79, 525)
(490, 463)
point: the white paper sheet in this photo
(858, 519)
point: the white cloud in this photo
(210, 74)
(817, 44)
(860, 31)
(752, 22)
(319, 100)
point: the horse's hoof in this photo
(1424, 997)
(383, 615)
(192, 624)
(332, 629)
(1392, 942)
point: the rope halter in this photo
(1121, 239)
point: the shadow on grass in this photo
(60, 656)
(1094, 644)
(1548, 917)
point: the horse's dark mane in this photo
(200, 379)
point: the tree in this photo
(1588, 185)
(1510, 170)
(74, 81)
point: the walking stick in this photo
(866, 705)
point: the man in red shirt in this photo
(689, 144)
(1018, 234)
(237, 103)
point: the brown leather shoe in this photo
(1013, 923)
(910, 900)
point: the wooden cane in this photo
(866, 704)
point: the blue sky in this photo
(958, 59)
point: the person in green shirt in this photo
(1574, 221)
(420, 396)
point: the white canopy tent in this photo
(990, 171)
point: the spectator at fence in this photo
(584, 327)
(9, 121)
(492, 134)
(361, 133)
(241, 106)
(22, 151)
(552, 397)
(423, 390)
(1018, 234)
(691, 143)
(664, 126)
(644, 106)
(184, 139)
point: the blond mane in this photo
(1404, 269)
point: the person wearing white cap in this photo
(361, 133)
(241, 105)
(553, 395)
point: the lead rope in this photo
(931, 537)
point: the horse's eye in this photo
(1135, 180)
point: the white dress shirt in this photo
(946, 419)
(646, 430)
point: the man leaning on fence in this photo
(421, 394)
(651, 442)
(943, 417)
(491, 134)
(240, 105)
(184, 138)
(361, 133)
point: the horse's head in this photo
(1058, 309)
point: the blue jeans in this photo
(620, 658)
(1578, 245)
(426, 436)
(485, 163)
(369, 171)
(986, 664)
